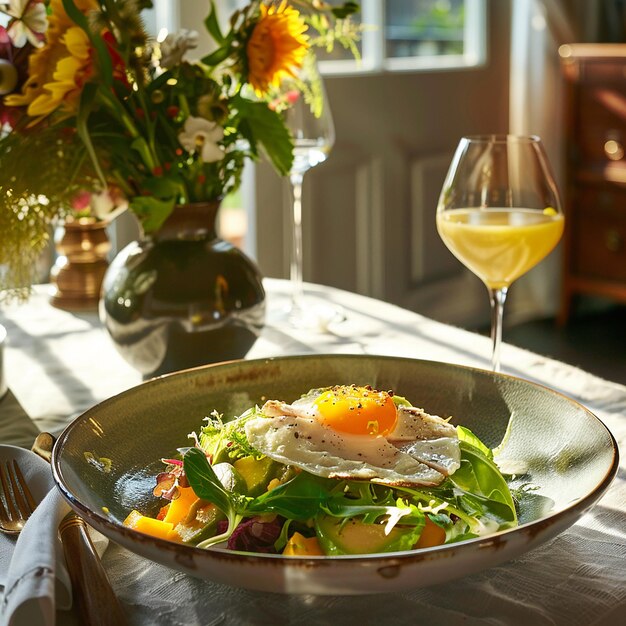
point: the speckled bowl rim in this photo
(573, 511)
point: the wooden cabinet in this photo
(595, 190)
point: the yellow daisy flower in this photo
(42, 64)
(276, 47)
(68, 78)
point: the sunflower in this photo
(70, 74)
(44, 62)
(277, 46)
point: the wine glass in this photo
(499, 213)
(308, 118)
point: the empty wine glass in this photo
(500, 214)
(308, 118)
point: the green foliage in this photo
(227, 441)
(49, 160)
(260, 125)
(125, 126)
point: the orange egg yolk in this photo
(357, 410)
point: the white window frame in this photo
(373, 45)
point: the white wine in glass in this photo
(500, 214)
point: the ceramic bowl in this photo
(571, 455)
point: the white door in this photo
(369, 211)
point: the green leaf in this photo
(507, 433)
(215, 58)
(406, 514)
(531, 505)
(207, 486)
(345, 10)
(213, 26)
(204, 481)
(85, 107)
(151, 211)
(259, 124)
(140, 145)
(298, 499)
(400, 400)
(466, 435)
(228, 440)
(479, 478)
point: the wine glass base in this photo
(314, 316)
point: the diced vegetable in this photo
(352, 536)
(257, 473)
(201, 523)
(149, 525)
(180, 507)
(432, 535)
(299, 545)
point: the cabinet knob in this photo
(613, 240)
(614, 150)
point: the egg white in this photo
(305, 443)
(421, 450)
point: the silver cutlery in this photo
(16, 501)
(97, 603)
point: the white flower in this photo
(106, 206)
(175, 45)
(30, 22)
(200, 135)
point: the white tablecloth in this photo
(58, 364)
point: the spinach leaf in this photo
(371, 502)
(207, 486)
(298, 499)
(466, 435)
(483, 486)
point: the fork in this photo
(18, 501)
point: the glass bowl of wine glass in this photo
(499, 213)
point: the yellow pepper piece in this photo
(299, 545)
(148, 525)
(180, 507)
(432, 535)
(549, 211)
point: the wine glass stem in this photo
(297, 293)
(497, 298)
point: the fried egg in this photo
(357, 433)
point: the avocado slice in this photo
(257, 473)
(230, 478)
(352, 536)
(200, 524)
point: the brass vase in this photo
(77, 274)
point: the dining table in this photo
(59, 363)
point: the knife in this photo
(97, 603)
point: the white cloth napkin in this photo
(33, 571)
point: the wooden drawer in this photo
(598, 234)
(595, 116)
(600, 126)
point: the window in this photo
(413, 35)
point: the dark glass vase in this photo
(182, 297)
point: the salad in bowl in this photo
(342, 470)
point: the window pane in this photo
(339, 53)
(416, 28)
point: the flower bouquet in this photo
(90, 103)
